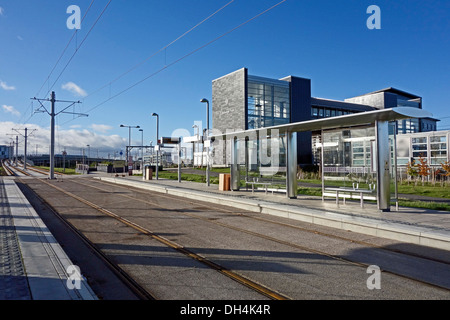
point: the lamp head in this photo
(154, 114)
(204, 100)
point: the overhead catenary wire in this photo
(57, 62)
(162, 49)
(64, 50)
(78, 47)
(185, 56)
(134, 67)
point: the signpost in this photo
(175, 141)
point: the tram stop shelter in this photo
(274, 149)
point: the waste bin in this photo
(224, 182)
(148, 173)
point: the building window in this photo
(419, 147)
(439, 149)
(268, 102)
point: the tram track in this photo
(211, 206)
(259, 288)
(124, 277)
(131, 284)
(14, 171)
(9, 171)
(247, 282)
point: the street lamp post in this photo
(157, 142)
(142, 154)
(129, 144)
(193, 145)
(207, 139)
(89, 156)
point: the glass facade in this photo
(438, 149)
(268, 102)
(408, 126)
(320, 112)
(405, 102)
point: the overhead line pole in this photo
(26, 143)
(53, 114)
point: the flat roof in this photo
(320, 102)
(393, 90)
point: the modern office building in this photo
(432, 146)
(241, 102)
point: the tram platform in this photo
(424, 227)
(33, 265)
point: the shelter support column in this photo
(383, 159)
(235, 175)
(291, 165)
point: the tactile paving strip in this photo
(13, 280)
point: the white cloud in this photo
(72, 140)
(75, 89)
(11, 109)
(4, 86)
(20, 38)
(1, 11)
(101, 128)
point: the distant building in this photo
(6, 152)
(241, 102)
(432, 146)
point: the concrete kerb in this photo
(45, 261)
(372, 227)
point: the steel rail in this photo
(179, 248)
(284, 224)
(297, 246)
(136, 288)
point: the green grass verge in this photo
(424, 205)
(186, 177)
(431, 191)
(60, 170)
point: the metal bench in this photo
(257, 182)
(342, 190)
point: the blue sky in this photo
(326, 41)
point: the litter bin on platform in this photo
(224, 182)
(148, 173)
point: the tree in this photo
(423, 168)
(446, 167)
(411, 169)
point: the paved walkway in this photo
(33, 266)
(412, 225)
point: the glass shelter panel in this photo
(349, 162)
(262, 161)
(348, 158)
